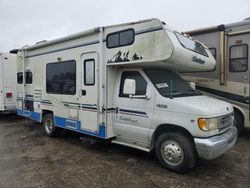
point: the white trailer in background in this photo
(119, 83)
(229, 81)
(8, 82)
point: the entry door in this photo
(89, 92)
(133, 116)
(238, 69)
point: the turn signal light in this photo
(202, 123)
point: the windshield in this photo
(191, 44)
(169, 84)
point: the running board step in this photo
(130, 145)
(91, 140)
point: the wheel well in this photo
(240, 113)
(169, 128)
(45, 112)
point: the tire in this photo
(180, 154)
(50, 129)
(238, 122)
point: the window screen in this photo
(141, 84)
(89, 72)
(19, 77)
(61, 78)
(238, 58)
(121, 38)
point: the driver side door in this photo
(133, 116)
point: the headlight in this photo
(208, 124)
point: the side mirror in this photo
(192, 85)
(129, 87)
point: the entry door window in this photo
(89, 72)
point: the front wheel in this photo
(175, 152)
(238, 122)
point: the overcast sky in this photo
(24, 22)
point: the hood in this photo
(201, 105)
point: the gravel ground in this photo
(28, 158)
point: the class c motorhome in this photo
(229, 80)
(120, 83)
(8, 82)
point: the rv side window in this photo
(28, 77)
(89, 72)
(120, 38)
(19, 77)
(191, 44)
(238, 58)
(141, 84)
(213, 51)
(61, 78)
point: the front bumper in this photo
(210, 148)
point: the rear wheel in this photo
(49, 126)
(175, 152)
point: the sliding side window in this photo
(141, 84)
(28, 77)
(61, 77)
(238, 58)
(19, 77)
(120, 38)
(213, 51)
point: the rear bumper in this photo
(210, 148)
(9, 107)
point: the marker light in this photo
(8, 95)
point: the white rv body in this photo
(229, 81)
(8, 82)
(99, 82)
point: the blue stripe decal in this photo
(132, 111)
(75, 125)
(65, 123)
(47, 102)
(63, 49)
(29, 114)
(94, 42)
(70, 103)
(43, 102)
(148, 30)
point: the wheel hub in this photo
(172, 152)
(48, 125)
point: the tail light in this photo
(8, 95)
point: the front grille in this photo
(226, 121)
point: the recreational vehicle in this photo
(120, 83)
(8, 82)
(229, 80)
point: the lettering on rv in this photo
(122, 118)
(123, 57)
(198, 60)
